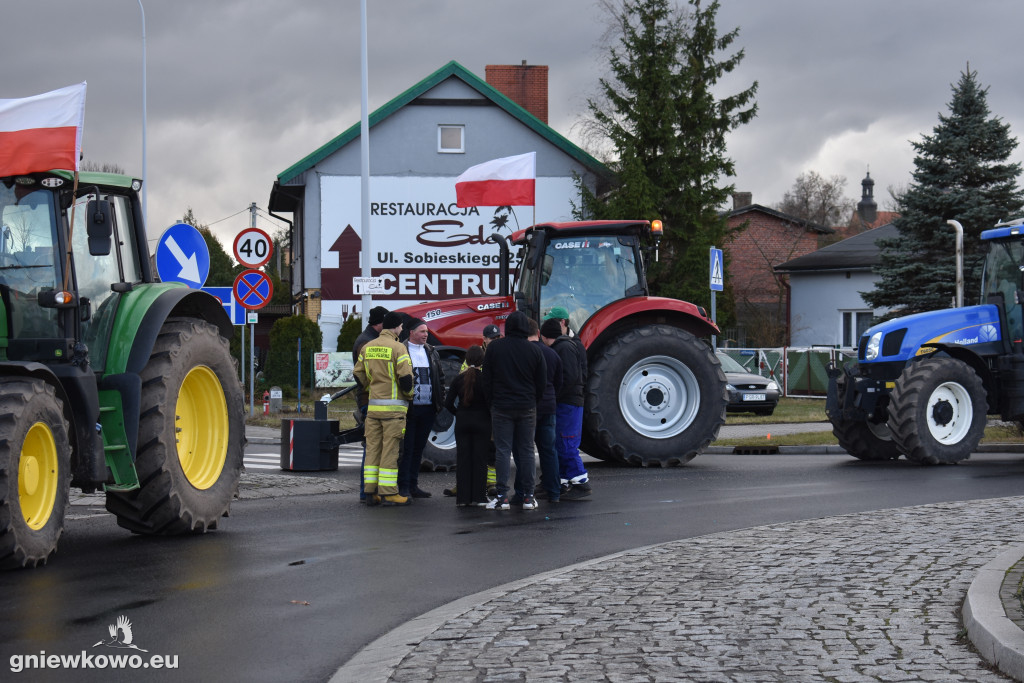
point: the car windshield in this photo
(730, 365)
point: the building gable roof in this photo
(449, 70)
(823, 229)
(860, 252)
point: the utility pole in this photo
(252, 335)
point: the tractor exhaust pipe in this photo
(503, 265)
(959, 262)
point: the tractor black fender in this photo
(976, 362)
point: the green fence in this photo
(801, 372)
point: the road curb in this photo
(757, 450)
(997, 638)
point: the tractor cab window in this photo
(1003, 283)
(584, 274)
(96, 274)
(28, 242)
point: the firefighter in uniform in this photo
(384, 370)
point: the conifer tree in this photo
(667, 132)
(960, 173)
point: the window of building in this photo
(451, 139)
(854, 325)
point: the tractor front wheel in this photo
(35, 472)
(937, 411)
(191, 435)
(656, 395)
(865, 440)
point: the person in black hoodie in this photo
(514, 378)
(465, 399)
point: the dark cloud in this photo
(238, 90)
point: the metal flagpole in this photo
(364, 149)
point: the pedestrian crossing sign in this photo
(717, 276)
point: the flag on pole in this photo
(509, 181)
(42, 132)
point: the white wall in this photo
(817, 301)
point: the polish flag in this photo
(510, 181)
(42, 132)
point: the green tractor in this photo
(109, 380)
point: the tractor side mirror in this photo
(100, 226)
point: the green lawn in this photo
(798, 410)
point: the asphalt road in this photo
(232, 605)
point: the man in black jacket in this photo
(514, 377)
(427, 402)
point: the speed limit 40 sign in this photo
(253, 248)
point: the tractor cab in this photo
(50, 301)
(1003, 277)
(581, 267)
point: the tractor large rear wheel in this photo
(191, 435)
(655, 396)
(937, 411)
(35, 472)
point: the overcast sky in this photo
(238, 90)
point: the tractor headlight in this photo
(871, 352)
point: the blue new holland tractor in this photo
(924, 384)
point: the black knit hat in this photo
(551, 328)
(412, 323)
(392, 320)
(377, 314)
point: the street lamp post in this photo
(145, 215)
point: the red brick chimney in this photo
(525, 85)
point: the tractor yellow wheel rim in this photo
(38, 476)
(201, 426)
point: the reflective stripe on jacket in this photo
(382, 367)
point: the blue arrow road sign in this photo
(717, 275)
(182, 256)
(226, 295)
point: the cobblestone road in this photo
(861, 597)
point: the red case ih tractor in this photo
(655, 393)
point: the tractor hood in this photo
(903, 338)
(461, 322)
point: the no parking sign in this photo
(253, 289)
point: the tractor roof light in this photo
(657, 229)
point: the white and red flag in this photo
(509, 181)
(42, 132)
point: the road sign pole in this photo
(241, 358)
(252, 370)
(714, 319)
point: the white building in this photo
(423, 246)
